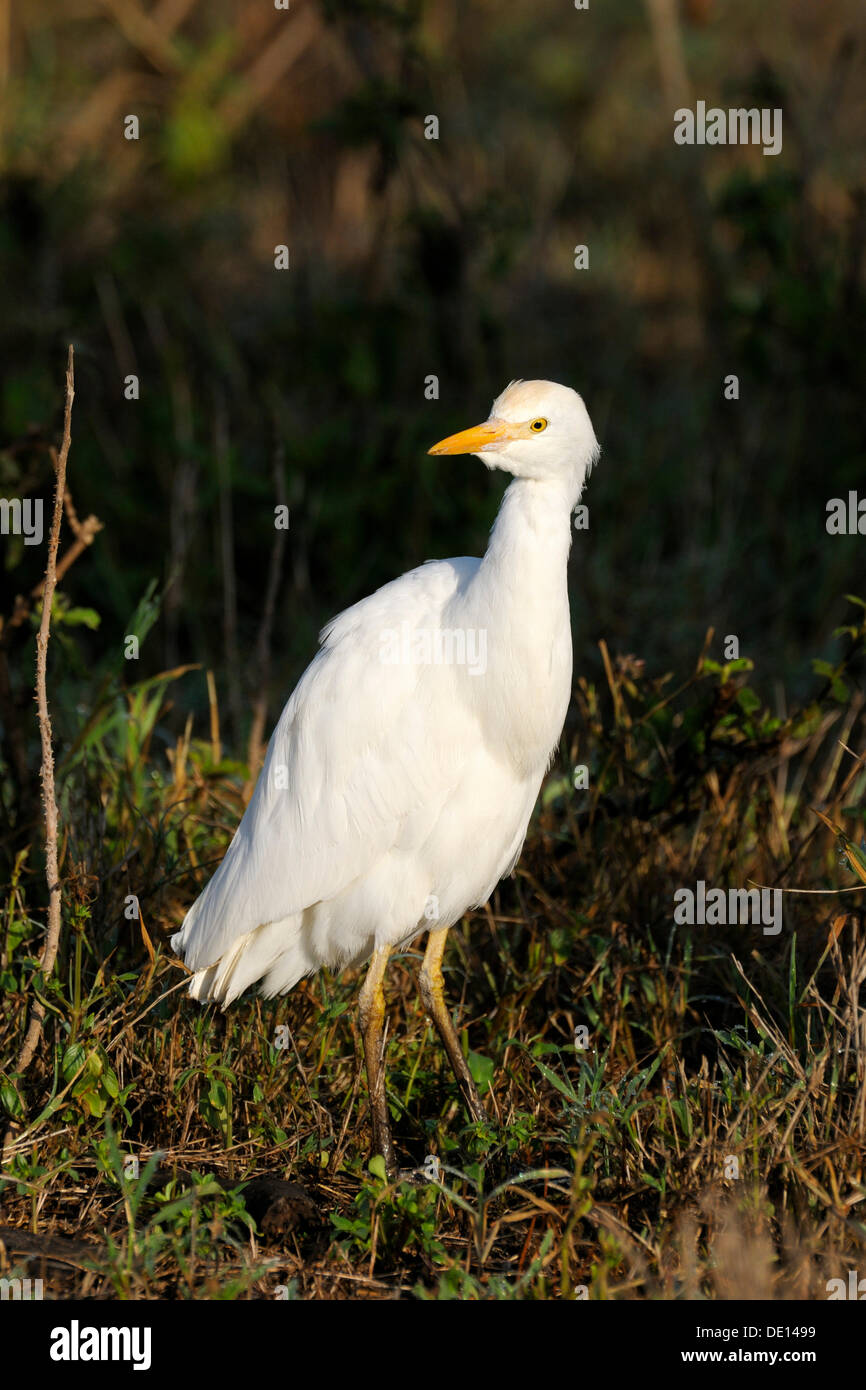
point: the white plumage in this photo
(401, 776)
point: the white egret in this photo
(401, 776)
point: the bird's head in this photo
(536, 429)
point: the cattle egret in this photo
(401, 776)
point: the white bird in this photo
(402, 774)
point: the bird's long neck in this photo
(527, 554)
(520, 594)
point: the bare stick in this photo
(49, 802)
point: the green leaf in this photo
(11, 1101)
(94, 1103)
(80, 617)
(482, 1070)
(73, 1058)
(564, 1087)
(856, 859)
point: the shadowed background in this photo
(451, 257)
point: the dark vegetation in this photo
(608, 1167)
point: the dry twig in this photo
(49, 801)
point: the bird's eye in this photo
(538, 425)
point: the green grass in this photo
(706, 1141)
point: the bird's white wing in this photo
(356, 751)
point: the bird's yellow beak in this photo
(489, 436)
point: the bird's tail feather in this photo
(278, 955)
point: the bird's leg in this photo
(432, 986)
(371, 1006)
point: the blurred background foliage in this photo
(411, 257)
